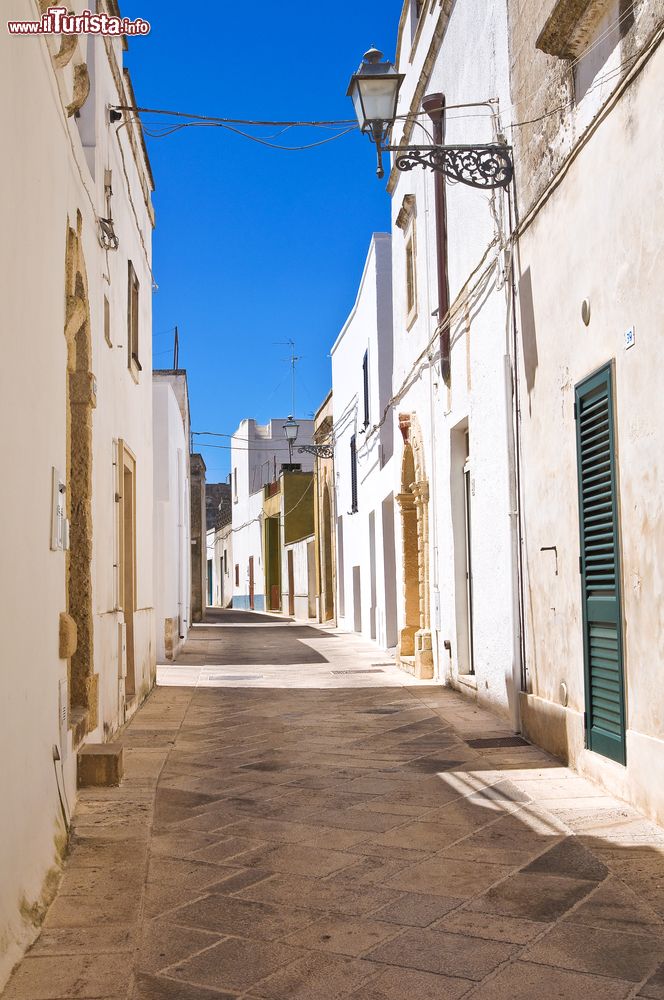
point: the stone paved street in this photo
(301, 821)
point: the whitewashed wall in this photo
(598, 237)
(366, 567)
(172, 535)
(479, 398)
(46, 178)
(248, 543)
(256, 451)
(304, 605)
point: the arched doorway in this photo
(328, 576)
(81, 400)
(414, 649)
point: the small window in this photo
(237, 575)
(416, 11)
(353, 475)
(225, 562)
(411, 278)
(235, 484)
(365, 381)
(132, 319)
(107, 322)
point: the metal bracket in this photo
(320, 450)
(488, 166)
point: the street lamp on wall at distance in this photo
(291, 428)
(374, 90)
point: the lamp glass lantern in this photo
(291, 427)
(374, 90)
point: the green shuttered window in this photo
(600, 567)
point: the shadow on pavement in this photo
(349, 843)
(235, 616)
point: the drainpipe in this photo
(180, 488)
(513, 217)
(441, 673)
(434, 105)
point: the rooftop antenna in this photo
(293, 360)
(176, 350)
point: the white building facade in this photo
(172, 528)
(75, 257)
(588, 280)
(220, 565)
(257, 453)
(453, 405)
(363, 456)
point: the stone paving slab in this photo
(295, 825)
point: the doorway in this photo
(390, 571)
(461, 500)
(467, 492)
(328, 580)
(597, 468)
(372, 575)
(273, 563)
(291, 584)
(415, 650)
(127, 516)
(251, 583)
(311, 578)
(357, 599)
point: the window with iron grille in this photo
(353, 475)
(133, 294)
(365, 382)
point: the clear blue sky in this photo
(254, 246)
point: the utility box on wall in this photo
(59, 522)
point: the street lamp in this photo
(291, 427)
(374, 90)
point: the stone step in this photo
(100, 765)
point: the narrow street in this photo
(299, 819)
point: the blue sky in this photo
(254, 246)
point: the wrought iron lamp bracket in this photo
(487, 166)
(319, 450)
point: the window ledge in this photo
(569, 27)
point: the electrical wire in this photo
(133, 208)
(349, 125)
(233, 447)
(246, 135)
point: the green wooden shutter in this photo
(600, 567)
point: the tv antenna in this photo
(292, 360)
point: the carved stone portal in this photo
(414, 652)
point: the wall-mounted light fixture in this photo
(374, 90)
(291, 427)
